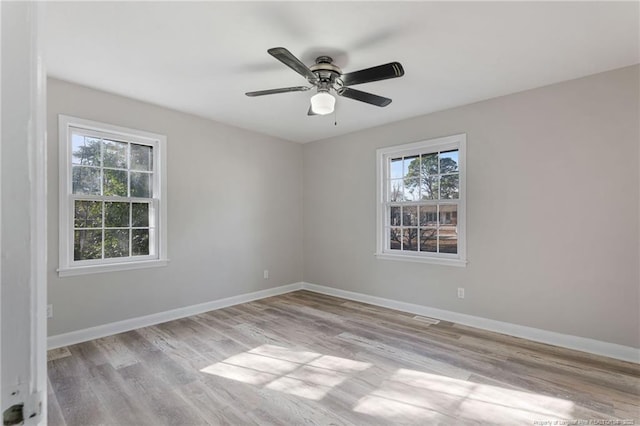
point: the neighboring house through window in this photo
(112, 197)
(421, 201)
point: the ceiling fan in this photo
(327, 78)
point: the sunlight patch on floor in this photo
(306, 374)
(407, 396)
(412, 396)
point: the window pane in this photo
(116, 215)
(449, 187)
(115, 154)
(411, 193)
(448, 214)
(87, 245)
(396, 168)
(395, 238)
(410, 239)
(140, 242)
(86, 180)
(115, 182)
(394, 216)
(412, 178)
(429, 164)
(428, 216)
(411, 166)
(116, 243)
(448, 230)
(448, 235)
(410, 215)
(396, 190)
(87, 214)
(141, 185)
(140, 214)
(141, 157)
(85, 150)
(429, 187)
(429, 239)
(449, 161)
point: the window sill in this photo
(112, 267)
(422, 259)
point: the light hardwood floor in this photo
(307, 358)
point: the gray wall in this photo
(234, 209)
(552, 210)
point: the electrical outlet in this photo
(460, 293)
(266, 274)
(49, 311)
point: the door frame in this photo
(29, 293)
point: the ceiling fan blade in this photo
(361, 96)
(274, 91)
(381, 72)
(287, 58)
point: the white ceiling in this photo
(201, 57)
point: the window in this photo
(421, 201)
(112, 198)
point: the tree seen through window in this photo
(113, 184)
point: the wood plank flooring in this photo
(312, 359)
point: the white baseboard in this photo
(597, 347)
(91, 333)
(612, 350)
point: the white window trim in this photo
(458, 141)
(66, 264)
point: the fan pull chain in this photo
(335, 118)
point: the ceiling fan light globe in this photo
(322, 103)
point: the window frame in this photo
(67, 265)
(383, 157)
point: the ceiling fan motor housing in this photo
(328, 74)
